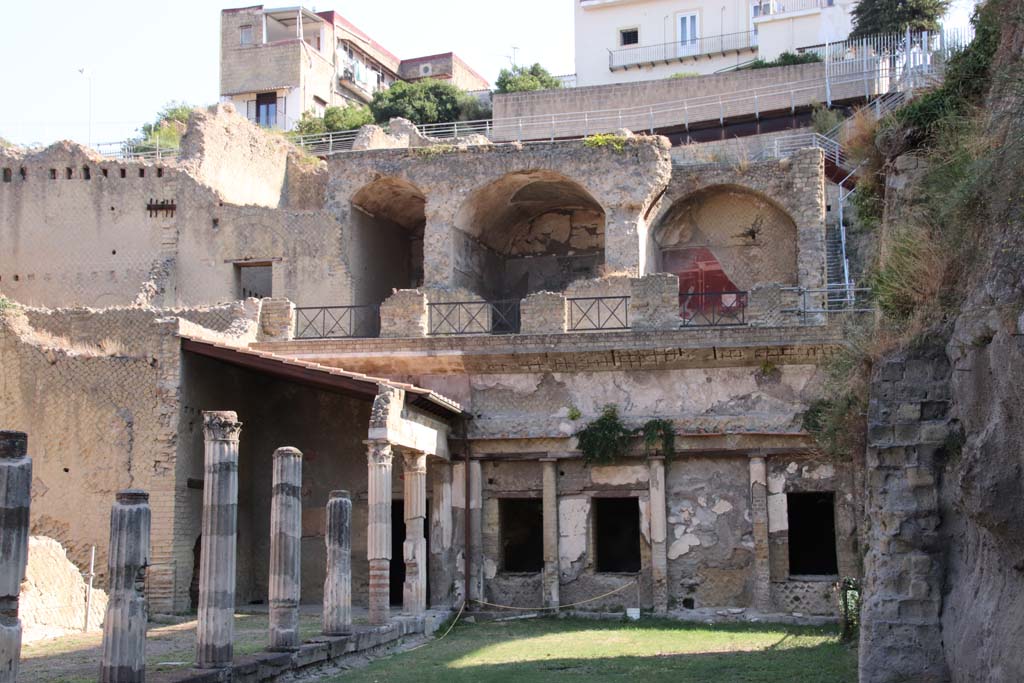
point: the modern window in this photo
(521, 529)
(245, 34)
(812, 534)
(689, 33)
(629, 36)
(266, 109)
(617, 534)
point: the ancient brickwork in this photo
(901, 635)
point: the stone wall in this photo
(901, 632)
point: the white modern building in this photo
(637, 40)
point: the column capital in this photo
(221, 425)
(414, 461)
(379, 452)
(13, 445)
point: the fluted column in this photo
(378, 536)
(285, 549)
(124, 628)
(414, 550)
(759, 516)
(338, 584)
(215, 629)
(15, 495)
(549, 507)
(659, 557)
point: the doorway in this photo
(397, 572)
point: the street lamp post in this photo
(88, 77)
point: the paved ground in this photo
(76, 658)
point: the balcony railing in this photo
(473, 317)
(713, 309)
(680, 50)
(337, 322)
(774, 7)
(598, 313)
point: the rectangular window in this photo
(245, 34)
(629, 36)
(617, 534)
(254, 280)
(689, 34)
(812, 534)
(521, 530)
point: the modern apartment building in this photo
(631, 40)
(277, 63)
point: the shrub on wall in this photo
(525, 79)
(426, 101)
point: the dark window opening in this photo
(69, 173)
(104, 172)
(629, 36)
(86, 173)
(160, 173)
(617, 534)
(23, 173)
(812, 533)
(124, 173)
(53, 174)
(142, 173)
(521, 529)
(7, 175)
(255, 280)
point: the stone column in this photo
(759, 515)
(215, 630)
(475, 519)
(338, 584)
(124, 628)
(443, 568)
(15, 495)
(659, 557)
(285, 549)
(549, 507)
(378, 534)
(414, 550)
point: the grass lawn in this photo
(650, 650)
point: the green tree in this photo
(426, 101)
(347, 118)
(166, 130)
(525, 78)
(871, 17)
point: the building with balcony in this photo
(432, 328)
(276, 64)
(623, 40)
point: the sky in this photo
(139, 55)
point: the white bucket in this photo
(633, 613)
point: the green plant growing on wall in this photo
(786, 59)
(574, 413)
(607, 437)
(824, 119)
(611, 141)
(684, 74)
(5, 303)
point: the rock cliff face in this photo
(944, 569)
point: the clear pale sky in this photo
(142, 54)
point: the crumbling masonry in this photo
(368, 311)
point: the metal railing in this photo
(598, 313)
(775, 7)
(337, 322)
(473, 317)
(134, 149)
(713, 309)
(625, 57)
(832, 299)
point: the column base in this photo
(380, 591)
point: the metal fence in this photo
(713, 309)
(833, 299)
(681, 49)
(473, 317)
(337, 322)
(598, 313)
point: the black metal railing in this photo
(337, 322)
(473, 317)
(713, 309)
(625, 57)
(598, 313)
